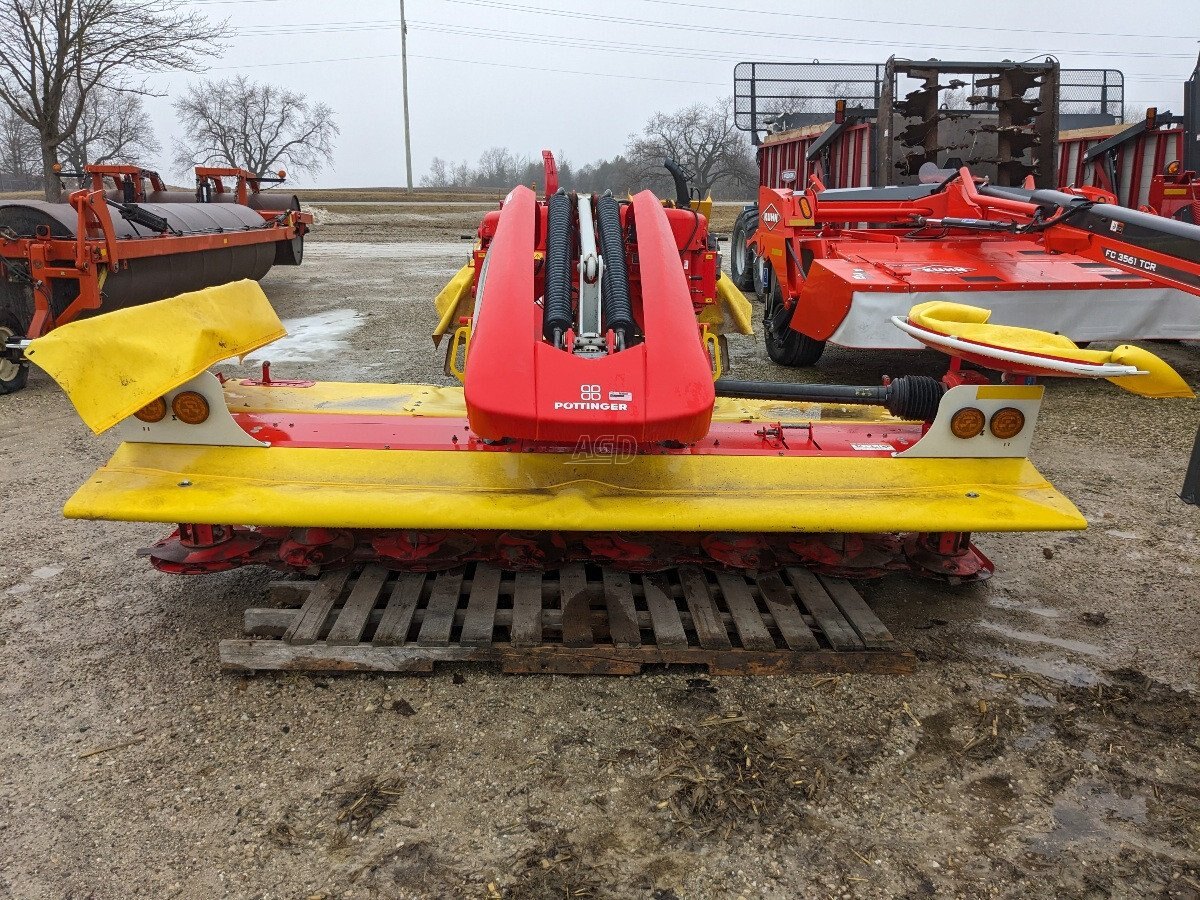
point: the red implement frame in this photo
(95, 250)
(823, 250)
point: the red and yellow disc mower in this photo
(844, 262)
(591, 424)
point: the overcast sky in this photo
(579, 77)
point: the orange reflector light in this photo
(1007, 423)
(967, 422)
(1173, 168)
(56, 168)
(154, 411)
(190, 407)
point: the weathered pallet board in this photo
(577, 620)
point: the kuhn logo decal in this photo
(946, 270)
(770, 217)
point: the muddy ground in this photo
(1048, 744)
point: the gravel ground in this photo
(1048, 744)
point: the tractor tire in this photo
(785, 345)
(13, 375)
(741, 258)
(761, 277)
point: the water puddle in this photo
(311, 337)
(1046, 612)
(1053, 669)
(1091, 813)
(1033, 737)
(1123, 535)
(1034, 637)
(394, 251)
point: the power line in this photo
(375, 24)
(774, 35)
(941, 26)
(629, 47)
(480, 62)
(568, 40)
(468, 62)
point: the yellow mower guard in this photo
(112, 365)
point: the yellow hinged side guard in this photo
(112, 365)
(732, 312)
(453, 301)
(970, 323)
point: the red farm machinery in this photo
(595, 496)
(885, 186)
(124, 239)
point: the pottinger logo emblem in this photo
(589, 398)
(770, 217)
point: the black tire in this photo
(290, 253)
(760, 271)
(13, 376)
(785, 345)
(740, 257)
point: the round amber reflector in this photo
(967, 422)
(1173, 168)
(190, 407)
(1007, 423)
(154, 411)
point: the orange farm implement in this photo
(124, 239)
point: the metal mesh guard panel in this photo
(767, 89)
(808, 91)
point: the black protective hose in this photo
(556, 310)
(683, 197)
(614, 291)
(914, 397)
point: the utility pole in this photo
(404, 88)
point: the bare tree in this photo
(58, 52)
(238, 122)
(19, 153)
(114, 127)
(700, 138)
(439, 174)
(499, 167)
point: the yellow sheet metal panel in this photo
(453, 300)
(971, 323)
(112, 365)
(1009, 392)
(1160, 380)
(735, 305)
(553, 492)
(349, 398)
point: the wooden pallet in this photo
(577, 620)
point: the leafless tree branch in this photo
(237, 122)
(57, 53)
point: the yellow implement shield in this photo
(732, 312)
(453, 301)
(113, 365)
(412, 489)
(971, 323)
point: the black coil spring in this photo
(556, 313)
(614, 293)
